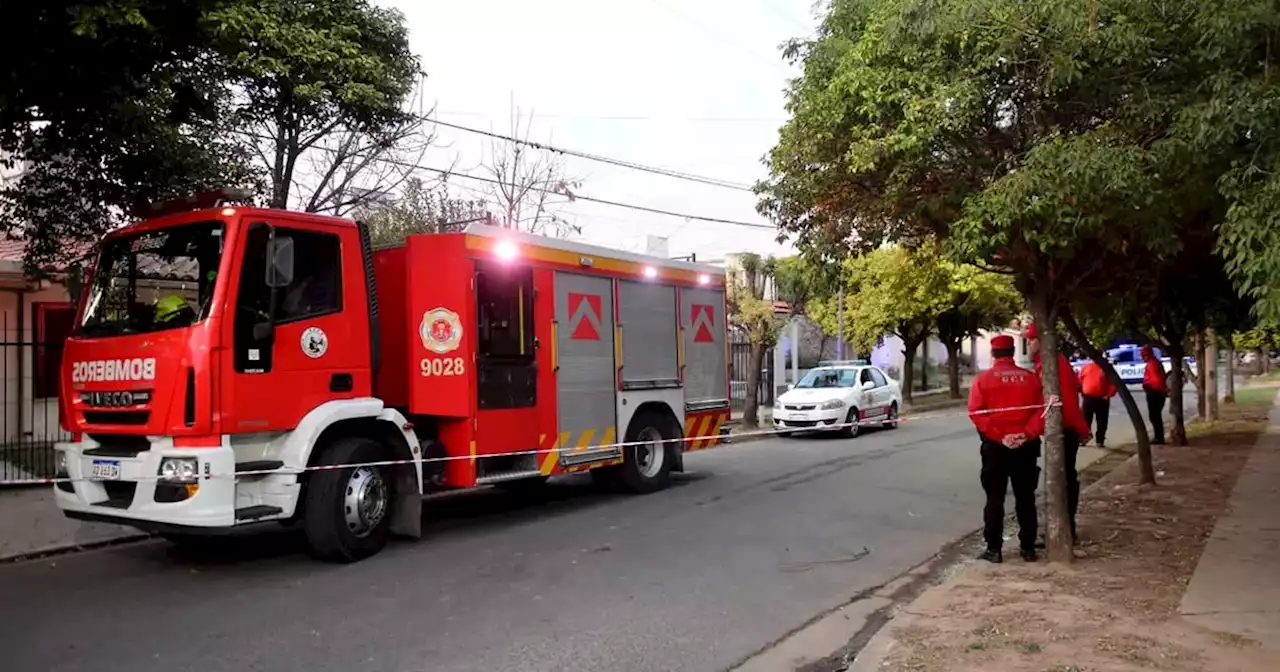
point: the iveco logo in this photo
(108, 370)
(119, 399)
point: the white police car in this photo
(839, 396)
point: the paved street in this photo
(756, 540)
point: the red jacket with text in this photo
(1006, 386)
(1069, 390)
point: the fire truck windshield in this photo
(161, 279)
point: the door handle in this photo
(341, 382)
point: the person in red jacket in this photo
(1097, 391)
(1075, 430)
(1153, 383)
(1006, 406)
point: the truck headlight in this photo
(832, 405)
(180, 469)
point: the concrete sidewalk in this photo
(31, 524)
(1236, 586)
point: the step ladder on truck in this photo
(236, 366)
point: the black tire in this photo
(638, 474)
(892, 422)
(330, 535)
(852, 426)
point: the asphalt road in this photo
(756, 540)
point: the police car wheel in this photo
(347, 512)
(851, 425)
(892, 421)
(647, 459)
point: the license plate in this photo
(799, 416)
(106, 469)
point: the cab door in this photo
(296, 342)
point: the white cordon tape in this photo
(576, 451)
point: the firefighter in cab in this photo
(1005, 405)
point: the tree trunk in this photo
(751, 409)
(1230, 396)
(1146, 467)
(908, 373)
(1057, 523)
(1211, 372)
(1202, 410)
(1177, 433)
(924, 363)
(1265, 359)
(953, 368)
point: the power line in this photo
(666, 172)
(627, 117)
(571, 196)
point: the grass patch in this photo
(1255, 396)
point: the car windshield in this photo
(828, 378)
(155, 280)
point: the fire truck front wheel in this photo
(347, 514)
(647, 461)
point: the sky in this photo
(691, 86)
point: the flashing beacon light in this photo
(650, 272)
(704, 279)
(506, 250)
(227, 212)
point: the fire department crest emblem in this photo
(441, 330)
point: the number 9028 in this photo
(442, 366)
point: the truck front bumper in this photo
(138, 497)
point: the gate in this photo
(29, 423)
(739, 365)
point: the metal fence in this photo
(29, 423)
(739, 365)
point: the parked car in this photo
(840, 397)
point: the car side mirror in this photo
(867, 384)
(791, 386)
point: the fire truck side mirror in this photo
(279, 261)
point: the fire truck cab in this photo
(235, 366)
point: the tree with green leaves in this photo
(891, 290)
(121, 105)
(752, 312)
(978, 301)
(303, 72)
(1022, 135)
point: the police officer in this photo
(1005, 404)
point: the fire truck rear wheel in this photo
(646, 465)
(347, 514)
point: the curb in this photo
(54, 550)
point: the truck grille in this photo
(132, 418)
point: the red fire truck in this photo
(224, 356)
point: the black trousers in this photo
(1155, 412)
(1097, 408)
(1070, 450)
(1000, 467)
